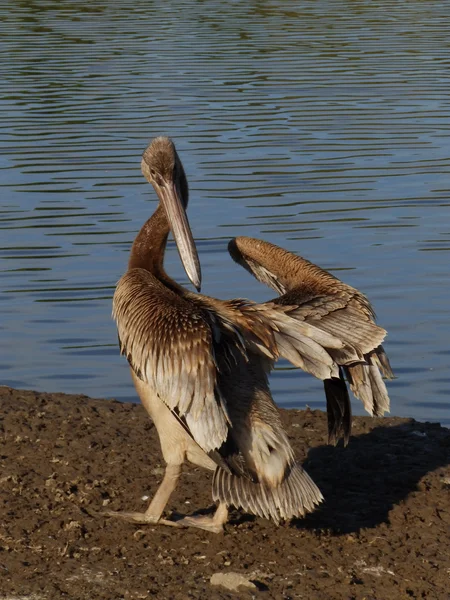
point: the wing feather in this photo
(168, 343)
(303, 344)
(320, 300)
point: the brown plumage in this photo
(200, 367)
(327, 303)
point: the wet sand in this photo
(383, 532)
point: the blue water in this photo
(323, 127)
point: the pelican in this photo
(200, 365)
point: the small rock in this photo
(377, 571)
(421, 434)
(231, 581)
(157, 471)
(72, 525)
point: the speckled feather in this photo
(168, 343)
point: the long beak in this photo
(182, 233)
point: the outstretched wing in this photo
(335, 308)
(322, 299)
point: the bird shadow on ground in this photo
(364, 481)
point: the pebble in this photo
(231, 581)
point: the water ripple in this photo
(324, 127)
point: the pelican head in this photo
(162, 167)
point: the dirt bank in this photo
(383, 533)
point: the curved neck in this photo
(149, 246)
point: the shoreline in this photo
(382, 532)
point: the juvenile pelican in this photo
(335, 307)
(200, 368)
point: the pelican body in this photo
(200, 368)
(200, 365)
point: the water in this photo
(323, 127)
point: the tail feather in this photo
(366, 381)
(306, 485)
(294, 497)
(379, 392)
(358, 378)
(339, 410)
(381, 359)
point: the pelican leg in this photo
(153, 513)
(214, 524)
(157, 505)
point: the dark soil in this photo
(383, 532)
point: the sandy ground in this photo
(383, 532)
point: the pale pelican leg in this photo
(157, 505)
